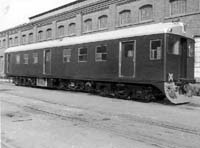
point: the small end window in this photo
(155, 49)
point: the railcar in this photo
(149, 62)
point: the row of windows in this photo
(125, 18)
(101, 53)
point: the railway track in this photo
(105, 121)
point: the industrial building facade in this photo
(91, 16)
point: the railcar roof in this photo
(175, 28)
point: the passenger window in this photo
(82, 54)
(67, 55)
(35, 58)
(155, 49)
(17, 59)
(25, 58)
(101, 53)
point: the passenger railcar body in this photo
(146, 62)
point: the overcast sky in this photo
(16, 12)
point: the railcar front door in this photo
(127, 59)
(183, 61)
(47, 62)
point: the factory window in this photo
(87, 26)
(101, 53)
(16, 40)
(67, 55)
(30, 38)
(4, 43)
(177, 7)
(25, 58)
(103, 21)
(124, 17)
(17, 58)
(35, 58)
(10, 41)
(72, 29)
(82, 54)
(146, 12)
(49, 33)
(40, 35)
(155, 49)
(61, 31)
(24, 39)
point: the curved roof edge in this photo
(174, 28)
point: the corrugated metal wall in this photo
(197, 58)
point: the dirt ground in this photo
(42, 118)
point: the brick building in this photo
(91, 16)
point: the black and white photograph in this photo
(100, 73)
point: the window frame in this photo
(87, 27)
(82, 55)
(60, 31)
(40, 35)
(24, 39)
(104, 26)
(30, 37)
(145, 7)
(49, 34)
(70, 30)
(150, 53)
(101, 60)
(35, 58)
(177, 13)
(121, 18)
(26, 58)
(67, 56)
(17, 59)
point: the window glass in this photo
(49, 33)
(17, 58)
(125, 17)
(4, 43)
(24, 39)
(72, 29)
(67, 55)
(155, 49)
(16, 40)
(146, 12)
(190, 48)
(177, 6)
(174, 46)
(35, 58)
(10, 41)
(128, 49)
(61, 31)
(103, 21)
(25, 58)
(87, 25)
(101, 53)
(40, 35)
(82, 55)
(30, 37)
